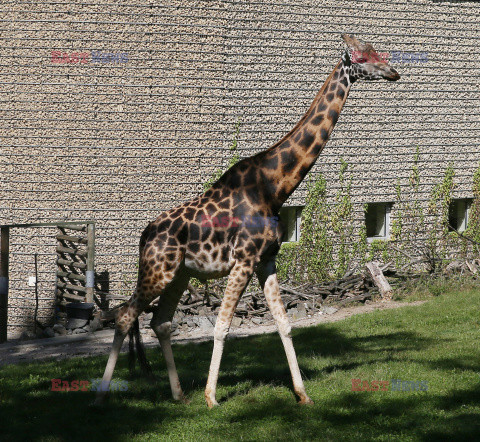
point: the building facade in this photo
(115, 112)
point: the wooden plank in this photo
(66, 286)
(71, 251)
(353, 299)
(472, 267)
(77, 265)
(4, 260)
(379, 280)
(74, 297)
(77, 239)
(78, 228)
(71, 275)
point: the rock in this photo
(74, 323)
(94, 325)
(236, 321)
(78, 331)
(292, 311)
(27, 335)
(175, 332)
(179, 315)
(212, 319)
(299, 312)
(49, 332)
(60, 329)
(204, 323)
(191, 322)
(69, 332)
(257, 320)
(329, 310)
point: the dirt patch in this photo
(99, 343)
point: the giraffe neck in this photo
(287, 163)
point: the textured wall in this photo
(119, 142)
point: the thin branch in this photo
(461, 235)
(402, 252)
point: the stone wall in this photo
(119, 138)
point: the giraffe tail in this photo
(136, 350)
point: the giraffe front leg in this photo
(267, 276)
(237, 282)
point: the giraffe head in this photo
(365, 63)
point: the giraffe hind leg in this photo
(128, 314)
(126, 317)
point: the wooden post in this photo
(90, 274)
(4, 255)
(379, 280)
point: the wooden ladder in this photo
(75, 260)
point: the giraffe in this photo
(213, 235)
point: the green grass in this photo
(437, 342)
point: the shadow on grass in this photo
(467, 363)
(357, 416)
(32, 411)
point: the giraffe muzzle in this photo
(393, 75)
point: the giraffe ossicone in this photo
(181, 244)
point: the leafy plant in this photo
(409, 224)
(315, 245)
(473, 228)
(438, 233)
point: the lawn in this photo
(437, 342)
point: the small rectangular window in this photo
(458, 213)
(291, 218)
(377, 220)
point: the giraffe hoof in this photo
(305, 400)
(212, 403)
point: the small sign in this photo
(32, 280)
